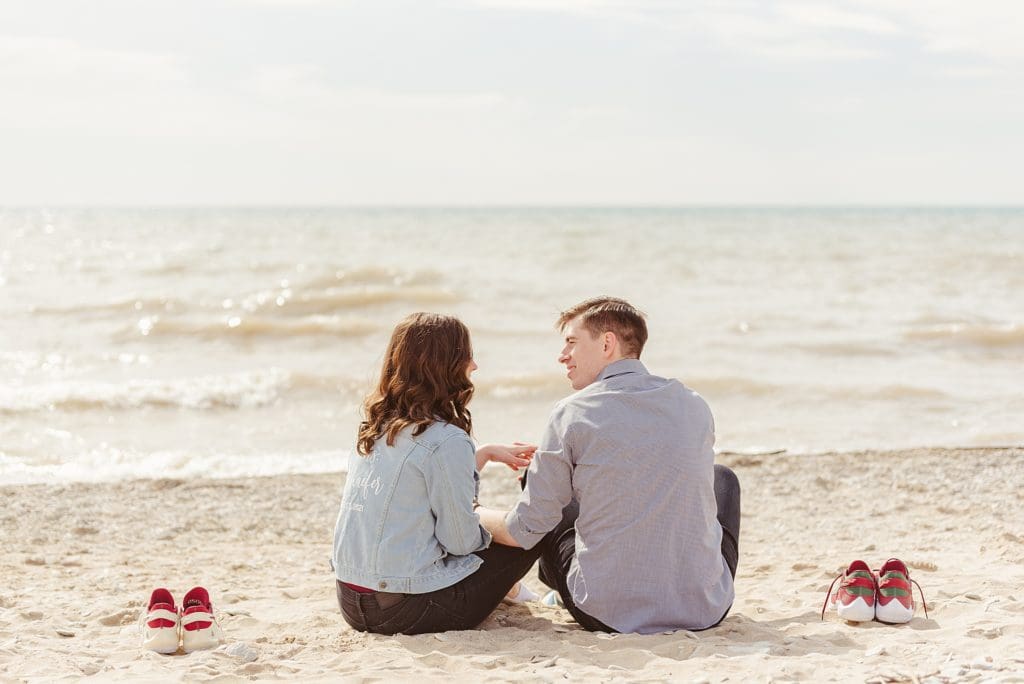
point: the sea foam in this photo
(250, 389)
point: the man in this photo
(639, 528)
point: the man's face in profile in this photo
(583, 354)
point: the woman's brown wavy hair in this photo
(424, 379)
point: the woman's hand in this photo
(516, 455)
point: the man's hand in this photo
(494, 522)
(516, 455)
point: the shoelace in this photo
(920, 591)
(828, 594)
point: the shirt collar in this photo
(621, 367)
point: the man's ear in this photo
(610, 343)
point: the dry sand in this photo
(78, 563)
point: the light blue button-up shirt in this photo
(636, 451)
(407, 523)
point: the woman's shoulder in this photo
(440, 432)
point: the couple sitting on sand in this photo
(634, 525)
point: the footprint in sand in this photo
(980, 633)
(121, 617)
(927, 566)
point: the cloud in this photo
(307, 85)
(69, 89)
(991, 30)
(817, 16)
(793, 34)
(57, 62)
(296, 3)
(984, 30)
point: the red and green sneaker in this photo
(895, 602)
(855, 598)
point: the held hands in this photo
(516, 455)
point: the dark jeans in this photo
(559, 545)
(463, 605)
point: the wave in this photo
(349, 387)
(249, 326)
(372, 275)
(847, 349)
(129, 306)
(320, 302)
(993, 336)
(889, 392)
(540, 385)
(326, 297)
(726, 385)
(241, 390)
(104, 464)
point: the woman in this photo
(410, 555)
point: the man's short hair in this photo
(602, 314)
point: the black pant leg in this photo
(476, 597)
(727, 497)
(464, 605)
(559, 549)
(550, 566)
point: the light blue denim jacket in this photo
(406, 523)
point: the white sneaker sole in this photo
(161, 641)
(203, 638)
(200, 639)
(894, 613)
(858, 611)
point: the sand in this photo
(79, 561)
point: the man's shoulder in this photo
(690, 393)
(579, 400)
(605, 393)
(626, 384)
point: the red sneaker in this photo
(160, 623)
(199, 627)
(855, 598)
(895, 600)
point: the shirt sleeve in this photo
(452, 481)
(548, 488)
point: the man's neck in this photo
(604, 372)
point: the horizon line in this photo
(524, 206)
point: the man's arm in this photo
(494, 522)
(548, 490)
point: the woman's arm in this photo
(494, 522)
(516, 455)
(451, 478)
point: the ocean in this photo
(228, 342)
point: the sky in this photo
(511, 102)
